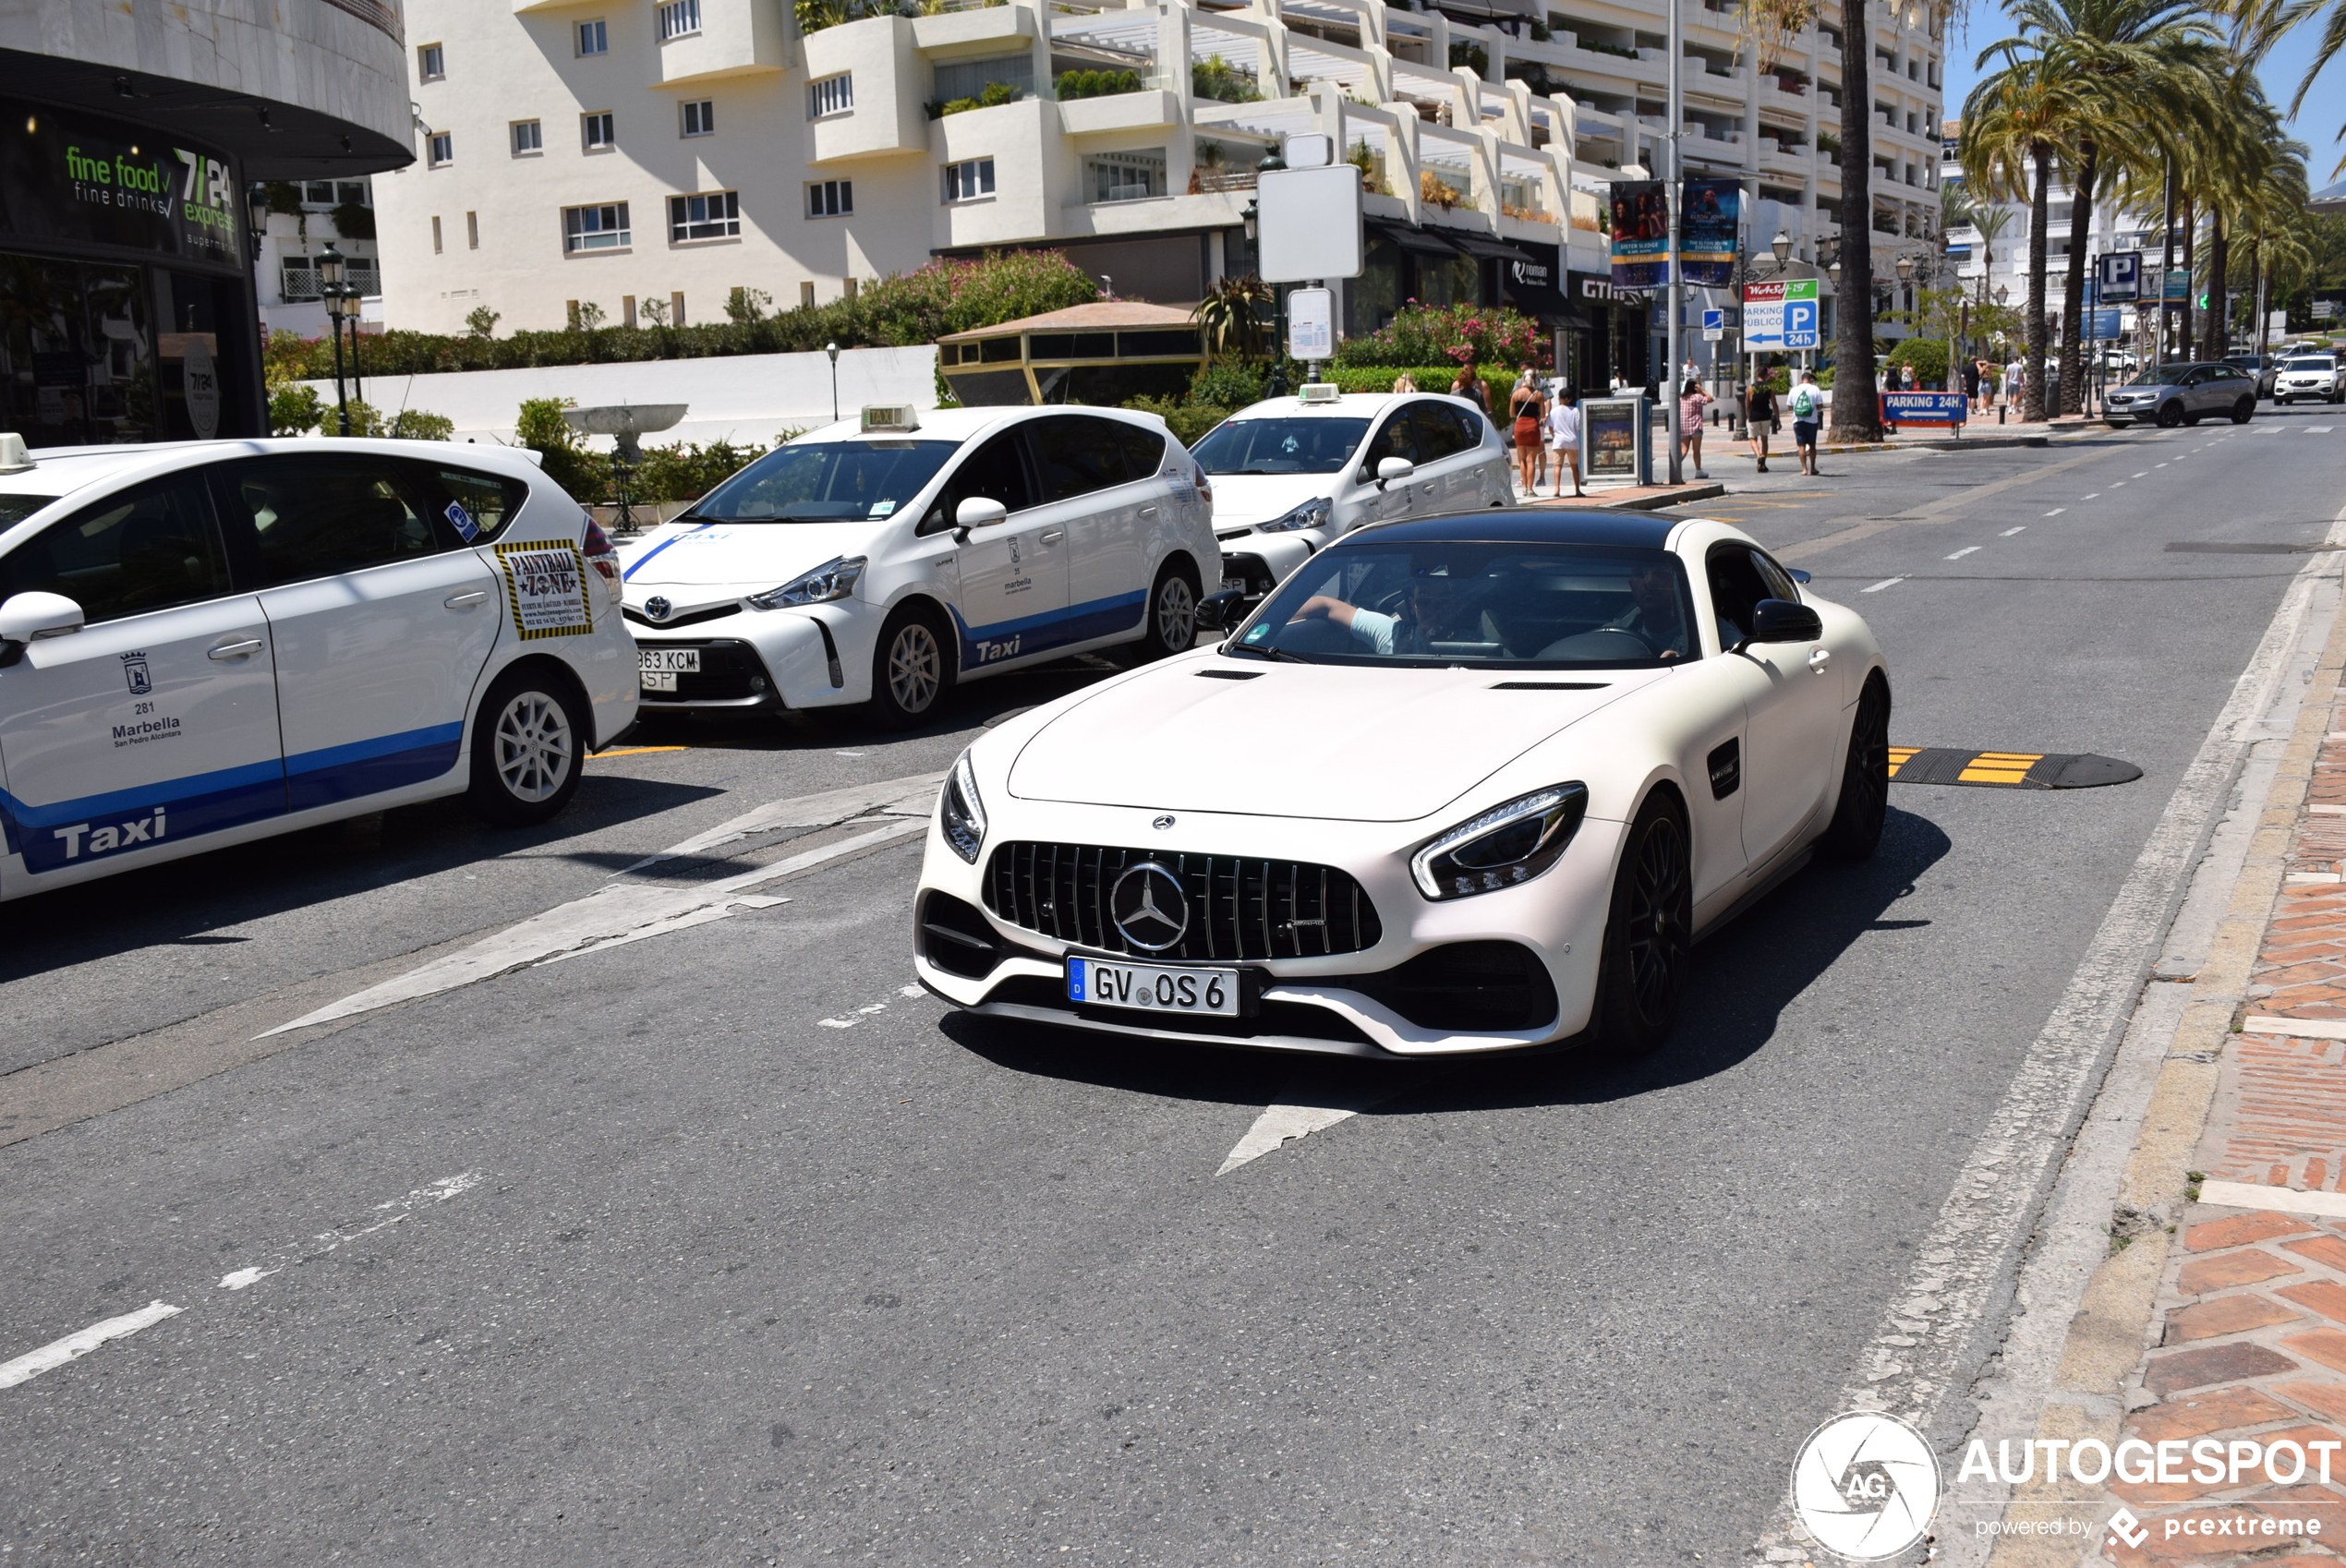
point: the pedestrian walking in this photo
(1808, 403)
(1405, 382)
(1470, 386)
(1971, 370)
(1759, 420)
(1527, 408)
(1692, 401)
(2015, 388)
(1564, 438)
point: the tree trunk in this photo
(2072, 298)
(1855, 414)
(2216, 336)
(2033, 409)
(2184, 339)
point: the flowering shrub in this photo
(1458, 334)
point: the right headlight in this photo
(1504, 846)
(1310, 514)
(961, 812)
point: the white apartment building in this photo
(650, 156)
(285, 270)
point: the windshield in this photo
(1280, 446)
(826, 482)
(2162, 375)
(14, 508)
(1469, 603)
(2312, 362)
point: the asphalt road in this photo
(718, 1247)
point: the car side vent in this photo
(1231, 674)
(1551, 685)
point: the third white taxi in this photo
(881, 560)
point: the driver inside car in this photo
(1655, 613)
(1434, 608)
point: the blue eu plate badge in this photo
(1075, 977)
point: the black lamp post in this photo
(331, 271)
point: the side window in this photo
(147, 548)
(996, 471)
(484, 502)
(1143, 451)
(1394, 439)
(1779, 581)
(1076, 454)
(1736, 588)
(313, 518)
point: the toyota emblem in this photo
(1162, 823)
(1150, 908)
(657, 606)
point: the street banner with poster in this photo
(1640, 234)
(1707, 229)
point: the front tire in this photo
(911, 667)
(2243, 411)
(1855, 829)
(1649, 936)
(529, 740)
(2170, 415)
(1169, 625)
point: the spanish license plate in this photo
(1099, 983)
(658, 680)
(669, 661)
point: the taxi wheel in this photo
(528, 741)
(910, 668)
(1171, 627)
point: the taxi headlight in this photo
(961, 812)
(1504, 846)
(834, 579)
(1310, 514)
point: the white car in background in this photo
(2309, 376)
(882, 559)
(205, 642)
(1293, 473)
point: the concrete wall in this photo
(748, 399)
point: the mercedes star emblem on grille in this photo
(1162, 823)
(657, 606)
(1149, 907)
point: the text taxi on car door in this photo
(209, 642)
(883, 559)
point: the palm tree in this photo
(2013, 126)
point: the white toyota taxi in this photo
(881, 560)
(204, 643)
(1291, 474)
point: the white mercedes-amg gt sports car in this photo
(1461, 784)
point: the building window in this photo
(831, 199)
(593, 228)
(440, 148)
(700, 118)
(594, 132)
(806, 291)
(528, 139)
(1124, 176)
(435, 236)
(973, 177)
(678, 18)
(593, 37)
(430, 64)
(472, 230)
(832, 95)
(717, 215)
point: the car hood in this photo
(1329, 741)
(752, 556)
(1244, 499)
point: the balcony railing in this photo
(298, 284)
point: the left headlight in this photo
(1310, 514)
(834, 579)
(961, 812)
(1504, 846)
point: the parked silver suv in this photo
(2183, 394)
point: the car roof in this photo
(1351, 405)
(1526, 525)
(961, 424)
(60, 470)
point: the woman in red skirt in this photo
(1528, 407)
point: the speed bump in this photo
(2007, 770)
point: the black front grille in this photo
(727, 669)
(1240, 907)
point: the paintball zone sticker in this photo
(546, 588)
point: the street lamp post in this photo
(331, 271)
(832, 349)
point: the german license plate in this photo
(658, 680)
(669, 661)
(1099, 983)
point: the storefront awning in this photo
(1497, 249)
(1419, 240)
(1544, 304)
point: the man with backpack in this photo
(1807, 408)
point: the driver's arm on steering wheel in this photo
(1321, 607)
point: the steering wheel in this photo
(1604, 645)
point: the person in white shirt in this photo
(1564, 438)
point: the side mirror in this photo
(1391, 468)
(977, 511)
(1780, 620)
(28, 618)
(1216, 611)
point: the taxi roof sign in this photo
(894, 418)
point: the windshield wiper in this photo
(1265, 650)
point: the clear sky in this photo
(2316, 126)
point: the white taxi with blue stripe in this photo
(204, 643)
(881, 560)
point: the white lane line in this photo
(2144, 474)
(1305, 1110)
(2008, 533)
(50, 1356)
(244, 1277)
(2118, 485)
(2056, 511)
(2154, 465)
(825, 810)
(2319, 430)
(2096, 495)
(1961, 553)
(615, 913)
(1885, 582)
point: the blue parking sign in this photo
(1800, 324)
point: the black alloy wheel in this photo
(1855, 829)
(1649, 940)
(2243, 411)
(2170, 413)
